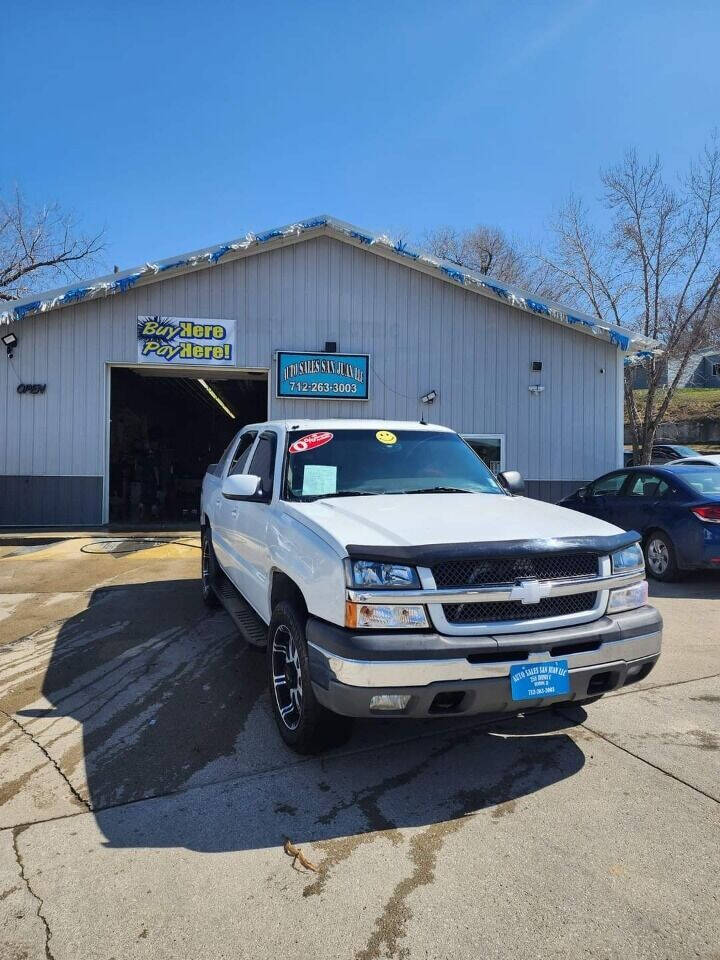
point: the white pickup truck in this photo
(389, 573)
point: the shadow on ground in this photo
(695, 585)
(166, 699)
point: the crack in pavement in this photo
(51, 759)
(636, 756)
(660, 686)
(40, 903)
(391, 926)
(339, 755)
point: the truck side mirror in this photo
(582, 493)
(513, 482)
(240, 486)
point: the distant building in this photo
(701, 370)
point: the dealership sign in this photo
(322, 376)
(186, 340)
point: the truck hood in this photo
(439, 518)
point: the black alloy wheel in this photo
(208, 570)
(304, 724)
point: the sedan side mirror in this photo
(240, 486)
(513, 482)
(582, 493)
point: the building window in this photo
(490, 447)
(716, 369)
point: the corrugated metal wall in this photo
(421, 333)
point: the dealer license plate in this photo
(549, 678)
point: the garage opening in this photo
(165, 428)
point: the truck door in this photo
(224, 511)
(249, 526)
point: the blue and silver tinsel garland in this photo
(212, 256)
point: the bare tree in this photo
(485, 249)
(40, 247)
(655, 265)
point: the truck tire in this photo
(208, 569)
(660, 556)
(304, 724)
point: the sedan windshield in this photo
(360, 462)
(700, 477)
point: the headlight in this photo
(368, 573)
(629, 558)
(628, 598)
(384, 616)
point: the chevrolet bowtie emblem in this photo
(530, 591)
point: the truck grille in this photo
(477, 572)
(494, 612)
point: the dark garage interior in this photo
(164, 431)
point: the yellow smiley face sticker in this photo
(385, 436)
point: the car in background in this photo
(711, 458)
(676, 509)
(663, 451)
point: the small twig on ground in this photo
(296, 853)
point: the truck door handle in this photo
(234, 513)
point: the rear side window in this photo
(608, 486)
(648, 486)
(704, 479)
(263, 462)
(242, 453)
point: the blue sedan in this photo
(676, 508)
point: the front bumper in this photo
(468, 675)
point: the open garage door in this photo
(165, 428)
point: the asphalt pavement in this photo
(146, 798)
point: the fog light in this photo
(379, 616)
(389, 701)
(628, 598)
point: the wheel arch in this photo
(656, 528)
(283, 587)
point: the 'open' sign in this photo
(31, 388)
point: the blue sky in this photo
(176, 124)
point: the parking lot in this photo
(145, 795)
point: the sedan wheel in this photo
(660, 557)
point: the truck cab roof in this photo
(349, 423)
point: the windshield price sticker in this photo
(550, 678)
(310, 441)
(386, 436)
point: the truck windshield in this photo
(342, 463)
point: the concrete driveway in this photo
(145, 796)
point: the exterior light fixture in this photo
(10, 341)
(430, 397)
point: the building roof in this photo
(252, 243)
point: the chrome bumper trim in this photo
(501, 592)
(419, 673)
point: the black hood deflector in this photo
(426, 555)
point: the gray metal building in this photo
(539, 384)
